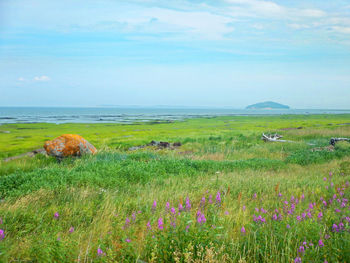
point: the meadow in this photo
(224, 195)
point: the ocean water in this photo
(130, 115)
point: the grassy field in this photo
(223, 196)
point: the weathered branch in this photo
(273, 138)
(334, 140)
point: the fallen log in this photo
(335, 140)
(273, 138)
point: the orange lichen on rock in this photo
(69, 145)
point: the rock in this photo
(69, 145)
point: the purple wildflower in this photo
(127, 240)
(301, 249)
(243, 208)
(226, 213)
(188, 204)
(160, 223)
(218, 198)
(320, 243)
(254, 196)
(320, 215)
(288, 226)
(202, 201)
(297, 260)
(243, 230)
(298, 218)
(154, 206)
(279, 195)
(324, 179)
(99, 252)
(56, 215)
(187, 227)
(2, 234)
(181, 208)
(173, 211)
(149, 227)
(210, 199)
(167, 206)
(133, 216)
(71, 229)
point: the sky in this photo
(222, 53)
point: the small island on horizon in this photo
(267, 105)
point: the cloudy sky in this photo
(178, 52)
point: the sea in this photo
(129, 115)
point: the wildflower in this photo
(274, 217)
(309, 215)
(187, 227)
(256, 209)
(288, 226)
(254, 196)
(324, 203)
(149, 227)
(133, 216)
(332, 184)
(320, 215)
(298, 218)
(160, 223)
(188, 204)
(218, 198)
(297, 260)
(335, 227)
(58, 239)
(181, 207)
(210, 199)
(2, 234)
(320, 243)
(167, 205)
(302, 197)
(324, 179)
(128, 240)
(127, 222)
(201, 218)
(173, 211)
(327, 236)
(330, 174)
(303, 215)
(337, 210)
(243, 208)
(56, 215)
(279, 195)
(202, 201)
(226, 212)
(301, 249)
(243, 230)
(71, 229)
(286, 202)
(99, 252)
(263, 210)
(154, 206)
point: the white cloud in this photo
(341, 29)
(42, 78)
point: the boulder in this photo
(69, 145)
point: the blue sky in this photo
(180, 52)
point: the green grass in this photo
(95, 194)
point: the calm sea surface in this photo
(129, 115)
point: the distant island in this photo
(267, 105)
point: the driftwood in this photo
(27, 154)
(273, 138)
(335, 140)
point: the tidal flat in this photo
(224, 195)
